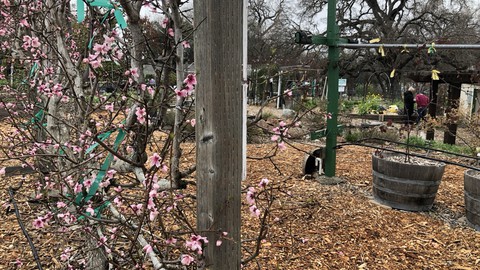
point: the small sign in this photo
(342, 82)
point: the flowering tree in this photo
(85, 116)
(103, 163)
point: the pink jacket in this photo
(422, 100)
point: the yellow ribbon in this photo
(435, 75)
(381, 51)
(432, 49)
(405, 50)
(392, 74)
(375, 40)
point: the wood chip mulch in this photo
(315, 226)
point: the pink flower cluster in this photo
(251, 195)
(189, 85)
(40, 222)
(104, 50)
(280, 132)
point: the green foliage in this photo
(416, 141)
(348, 105)
(267, 115)
(353, 135)
(310, 104)
(458, 149)
(370, 105)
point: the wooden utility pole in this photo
(218, 63)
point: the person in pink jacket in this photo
(422, 106)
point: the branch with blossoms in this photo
(260, 201)
(104, 166)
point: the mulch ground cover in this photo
(315, 226)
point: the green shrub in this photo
(371, 104)
(416, 141)
(353, 135)
(458, 149)
(348, 105)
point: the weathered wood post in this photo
(218, 62)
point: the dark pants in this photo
(410, 117)
(422, 111)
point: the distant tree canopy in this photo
(402, 21)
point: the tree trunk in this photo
(179, 114)
(218, 60)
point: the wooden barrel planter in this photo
(405, 186)
(472, 197)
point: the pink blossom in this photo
(192, 122)
(218, 243)
(87, 183)
(195, 243)
(90, 210)
(109, 107)
(263, 183)
(61, 204)
(78, 188)
(274, 138)
(254, 211)
(109, 40)
(191, 79)
(150, 204)
(24, 23)
(18, 263)
(147, 248)
(181, 93)
(111, 173)
(187, 259)
(140, 113)
(282, 124)
(171, 241)
(281, 146)
(156, 160)
(134, 73)
(153, 215)
(38, 223)
(251, 196)
(65, 254)
(185, 44)
(289, 92)
(170, 32)
(95, 63)
(150, 90)
(164, 168)
(35, 43)
(2, 171)
(164, 23)
(118, 54)
(118, 202)
(101, 48)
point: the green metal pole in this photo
(332, 97)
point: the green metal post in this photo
(332, 97)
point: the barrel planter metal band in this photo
(405, 186)
(472, 197)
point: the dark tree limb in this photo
(11, 192)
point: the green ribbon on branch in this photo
(101, 137)
(101, 173)
(101, 3)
